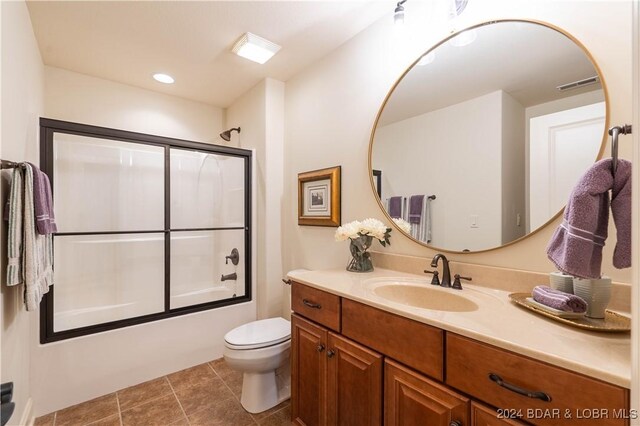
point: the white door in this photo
(562, 146)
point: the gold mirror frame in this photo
(452, 35)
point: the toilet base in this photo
(262, 391)
(259, 392)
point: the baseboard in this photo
(27, 418)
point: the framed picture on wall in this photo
(319, 197)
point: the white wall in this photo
(260, 114)
(22, 104)
(331, 107)
(454, 153)
(75, 370)
(513, 169)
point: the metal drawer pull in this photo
(311, 304)
(331, 353)
(513, 388)
(455, 423)
(320, 347)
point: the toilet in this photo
(260, 350)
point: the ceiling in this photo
(526, 60)
(128, 41)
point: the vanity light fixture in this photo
(398, 14)
(163, 78)
(255, 48)
(580, 83)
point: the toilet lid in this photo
(259, 334)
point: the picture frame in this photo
(319, 198)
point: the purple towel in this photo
(559, 299)
(621, 212)
(395, 207)
(576, 246)
(415, 208)
(43, 203)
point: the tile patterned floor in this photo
(207, 394)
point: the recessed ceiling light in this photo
(163, 78)
(427, 59)
(464, 38)
(255, 48)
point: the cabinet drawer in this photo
(316, 305)
(470, 366)
(412, 343)
(485, 416)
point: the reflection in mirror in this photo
(499, 126)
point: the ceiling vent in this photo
(580, 83)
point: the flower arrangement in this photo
(361, 235)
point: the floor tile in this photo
(203, 395)
(227, 412)
(45, 420)
(191, 376)
(109, 421)
(88, 412)
(144, 392)
(280, 418)
(235, 385)
(161, 412)
(270, 411)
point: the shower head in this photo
(226, 135)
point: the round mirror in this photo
(481, 140)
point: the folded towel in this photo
(30, 254)
(621, 212)
(395, 207)
(576, 246)
(415, 208)
(558, 299)
(43, 202)
(15, 228)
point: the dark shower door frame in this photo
(48, 128)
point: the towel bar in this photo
(614, 132)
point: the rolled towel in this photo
(558, 299)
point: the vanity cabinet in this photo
(334, 381)
(482, 415)
(345, 352)
(413, 399)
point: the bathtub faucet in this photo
(233, 277)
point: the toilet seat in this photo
(258, 334)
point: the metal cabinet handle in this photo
(320, 347)
(311, 304)
(517, 389)
(287, 281)
(331, 353)
(455, 423)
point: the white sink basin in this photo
(420, 294)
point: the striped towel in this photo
(30, 254)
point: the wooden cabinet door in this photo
(412, 399)
(485, 416)
(354, 384)
(308, 372)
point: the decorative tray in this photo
(612, 322)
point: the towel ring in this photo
(614, 132)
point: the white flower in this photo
(348, 230)
(373, 227)
(403, 225)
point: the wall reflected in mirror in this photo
(499, 125)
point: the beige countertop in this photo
(496, 321)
